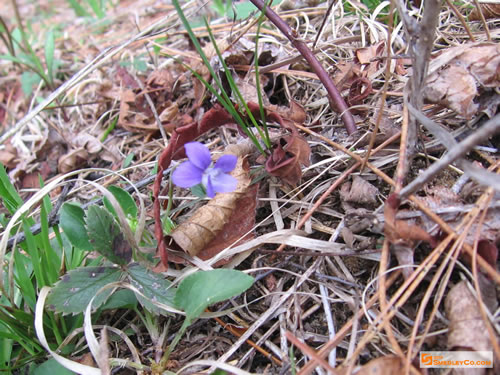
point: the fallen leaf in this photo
(359, 192)
(8, 156)
(399, 231)
(402, 235)
(460, 74)
(73, 160)
(490, 10)
(467, 329)
(388, 365)
(289, 154)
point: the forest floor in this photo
(352, 271)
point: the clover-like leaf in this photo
(73, 224)
(125, 200)
(75, 290)
(201, 289)
(105, 236)
(153, 286)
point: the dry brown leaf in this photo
(8, 156)
(88, 142)
(467, 330)
(399, 231)
(73, 160)
(388, 365)
(440, 198)
(490, 11)
(402, 235)
(295, 112)
(207, 222)
(359, 192)
(462, 73)
(368, 56)
(288, 155)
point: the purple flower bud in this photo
(198, 169)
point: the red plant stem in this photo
(336, 100)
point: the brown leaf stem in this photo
(336, 100)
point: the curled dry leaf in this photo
(135, 111)
(490, 10)
(467, 330)
(401, 235)
(462, 73)
(73, 160)
(208, 221)
(359, 192)
(399, 231)
(289, 154)
(388, 365)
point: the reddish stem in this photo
(336, 100)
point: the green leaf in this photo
(199, 191)
(49, 54)
(128, 160)
(77, 8)
(153, 285)
(121, 299)
(51, 367)
(97, 7)
(201, 289)
(140, 65)
(244, 9)
(73, 292)
(11, 200)
(105, 236)
(28, 80)
(126, 201)
(73, 224)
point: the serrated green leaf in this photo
(73, 224)
(73, 292)
(123, 298)
(126, 201)
(105, 236)
(201, 289)
(153, 285)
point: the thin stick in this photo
(459, 150)
(483, 20)
(461, 19)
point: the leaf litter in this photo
(359, 215)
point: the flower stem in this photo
(336, 100)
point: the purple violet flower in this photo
(198, 169)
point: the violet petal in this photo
(226, 163)
(223, 183)
(187, 175)
(198, 154)
(210, 188)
